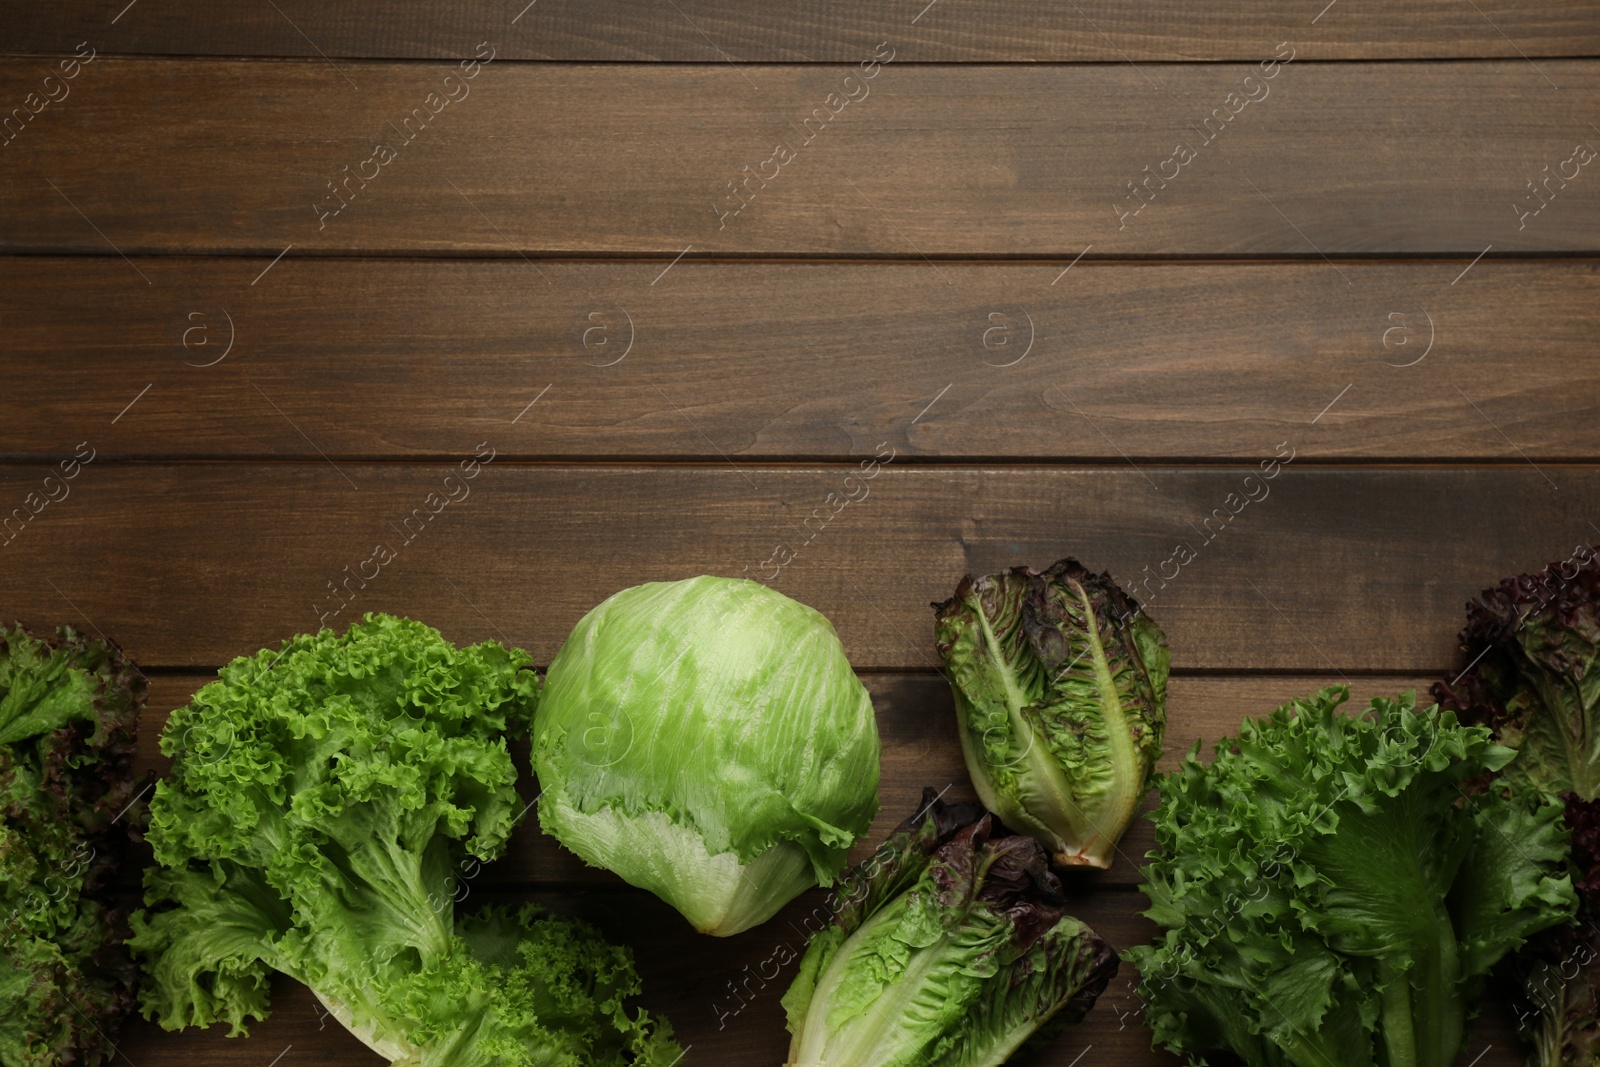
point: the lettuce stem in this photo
(1399, 1030)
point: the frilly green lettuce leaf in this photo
(211, 956)
(1330, 888)
(322, 804)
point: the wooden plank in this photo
(1329, 570)
(1221, 360)
(1331, 159)
(686, 977)
(714, 31)
(916, 723)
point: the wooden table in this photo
(679, 267)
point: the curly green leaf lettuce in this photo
(1060, 688)
(1331, 896)
(321, 800)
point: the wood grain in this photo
(1169, 361)
(718, 31)
(916, 722)
(1333, 159)
(1333, 570)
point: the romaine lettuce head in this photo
(707, 740)
(1331, 893)
(1060, 686)
(324, 805)
(949, 947)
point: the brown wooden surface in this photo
(1334, 570)
(1312, 278)
(713, 31)
(156, 155)
(1170, 361)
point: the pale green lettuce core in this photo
(708, 741)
